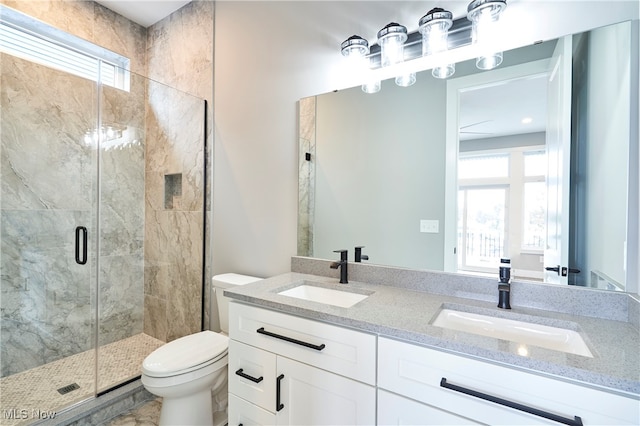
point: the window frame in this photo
(514, 210)
(30, 39)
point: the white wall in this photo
(270, 54)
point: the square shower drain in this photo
(66, 389)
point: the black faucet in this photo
(504, 290)
(359, 256)
(504, 287)
(342, 264)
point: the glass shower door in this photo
(48, 239)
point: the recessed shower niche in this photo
(172, 191)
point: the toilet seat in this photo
(186, 354)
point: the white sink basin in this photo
(306, 291)
(559, 339)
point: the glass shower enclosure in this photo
(101, 227)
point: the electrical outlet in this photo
(430, 226)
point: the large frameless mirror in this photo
(528, 161)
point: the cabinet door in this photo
(252, 374)
(244, 413)
(310, 396)
(396, 410)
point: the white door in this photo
(556, 254)
(310, 396)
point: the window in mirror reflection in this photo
(502, 210)
(535, 201)
(482, 227)
(483, 166)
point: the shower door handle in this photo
(81, 231)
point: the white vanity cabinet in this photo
(289, 370)
(478, 391)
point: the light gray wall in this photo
(380, 166)
(268, 55)
(607, 151)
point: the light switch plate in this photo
(429, 226)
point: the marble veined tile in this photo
(72, 16)
(45, 114)
(189, 66)
(121, 297)
(122, 201)
(120, 35)
(174, 241)
(44, 291)
(175, 135)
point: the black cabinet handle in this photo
(576, 421)
(81, 231)
(261, 330)
(248, 377)
(279, 405)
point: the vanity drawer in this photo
(340, 350)
(397, 410)
(418, 372)
(242, 412)
(252, 374)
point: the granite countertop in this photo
(408, 314)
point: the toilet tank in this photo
(221, 282)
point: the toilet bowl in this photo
(189, 371)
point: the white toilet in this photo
(188, 371)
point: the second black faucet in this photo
(342, 264)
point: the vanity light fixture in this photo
(484, 16)
(372, 86)
(437, 33)
(391, 39)
(434, 27)
(356, 49)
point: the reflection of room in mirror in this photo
(363, 196)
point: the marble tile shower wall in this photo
(49, 188)
(122, 191)
(45, 193)
(167, 306)
(173, 232)
(172, 303)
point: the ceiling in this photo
(144, 12)
(499, 110)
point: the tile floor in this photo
(33, 394)
(147, 414)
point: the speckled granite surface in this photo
(406, 313)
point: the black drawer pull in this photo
(261, 330)
(279, 405)
(248, 377)
(577, 421)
